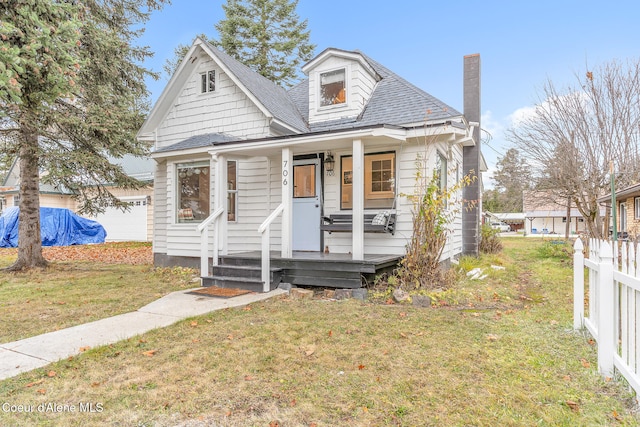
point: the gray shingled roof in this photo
(199, 141)
(399, 102)
(273, 97)
(394, 102)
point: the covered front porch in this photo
(244, 270)
(293, 211)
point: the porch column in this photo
(358, 200)
(286, 242)
(221, 201)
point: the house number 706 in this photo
(285, 172)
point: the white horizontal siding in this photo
(253, 205)
(184, 240)
(226, 110)
(160, 208)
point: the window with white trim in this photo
(636, 204)
(441, 172)
(192, 190)
(208, 81)
(441, 175)
(232, 190)
(379, 181)
(333, 88)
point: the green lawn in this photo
(497, 352)
(69, 293)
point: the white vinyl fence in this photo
(613, 304)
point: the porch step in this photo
(246, 271)
(241, 277)
(315, 269)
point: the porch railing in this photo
(203, 228)
(265, 230)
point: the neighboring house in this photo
(136, 224)
(515, 220)
(237, 154)
(627, 210)
(547, 214)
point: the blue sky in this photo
(521, 44)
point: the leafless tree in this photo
(574, 134)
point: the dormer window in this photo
(208, 81)
(332, 88)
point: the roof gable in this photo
(270, 98)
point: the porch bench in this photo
(337, 223)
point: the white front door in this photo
(306, 205)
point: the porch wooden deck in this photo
(303, 268)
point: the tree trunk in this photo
(29, 239)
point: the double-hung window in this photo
(441, 176)
(636, 203)
(379, 181)
(232, 190)
(208, 81)
(332, 88)
(441, 173)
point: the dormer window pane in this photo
(332, 88)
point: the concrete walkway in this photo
(35, 352)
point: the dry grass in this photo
(346, 363)
(69, 293)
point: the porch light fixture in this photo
(329, 163)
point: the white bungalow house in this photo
(309, 182)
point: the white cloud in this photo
(491, 125)
(521, 114)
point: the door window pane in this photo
(304, 181)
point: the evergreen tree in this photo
(72, 93)
(512, 177)
(265, 35)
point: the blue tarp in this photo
(58, 227)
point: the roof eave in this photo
(331, 51)
(180, 153)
